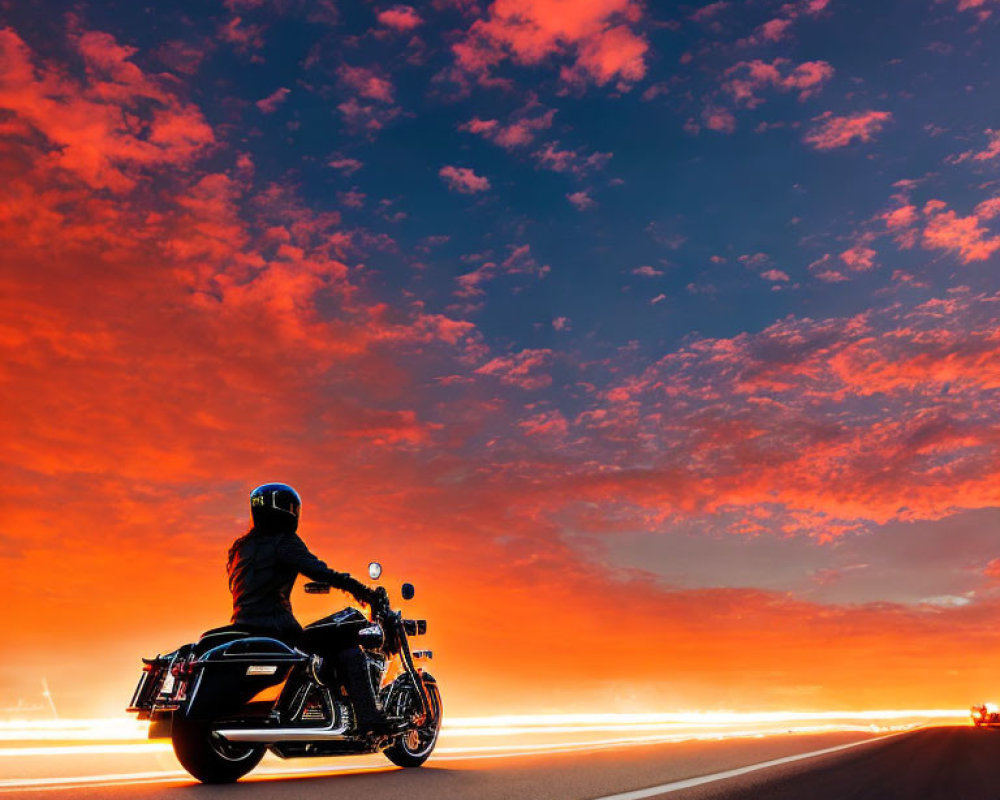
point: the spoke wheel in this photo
(413, 748)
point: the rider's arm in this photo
(293, 551)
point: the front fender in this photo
(426, 677)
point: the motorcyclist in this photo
(263, 565)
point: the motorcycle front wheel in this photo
(208, 756)
(413, 748)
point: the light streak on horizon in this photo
(513, 748)
(129, 730)
(442, 754)
(703, 717)
(126, 734)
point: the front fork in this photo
(412, 671)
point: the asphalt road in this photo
(929, 764)
(926, 764)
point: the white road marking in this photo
(690, 783)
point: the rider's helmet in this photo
(275, 506)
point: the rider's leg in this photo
(353, 670)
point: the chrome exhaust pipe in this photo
(275, 735)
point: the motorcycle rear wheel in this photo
(414, 747)
(209, 757)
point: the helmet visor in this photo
(290, 506)
(278, 500)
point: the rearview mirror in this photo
(408, 591)
(374, 570)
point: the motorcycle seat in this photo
(216, 636)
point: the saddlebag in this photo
(242, 678)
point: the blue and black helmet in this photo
(270, 502)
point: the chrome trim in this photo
(195, 688)
(275, 735)
(291, 654)
(137, 694)
(302, 691)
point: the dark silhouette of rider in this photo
(263, 565)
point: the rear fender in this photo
(148, 691)
(161, 725)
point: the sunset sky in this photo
(657, 343)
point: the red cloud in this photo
(203, 258)
(938, 227)
(581, 200)
(775, 275)
(180, 56)
(776, 29)
(109, 129)
(242, 37)
(515, 134)
(719, 119)
(519, 262)
(367, 116)
(709, 12)
(744, 81)
(901, 217)
(366, 83)
(346, 165)
(270, 103)
(552, 158)
(992, 570)
(991, 151)
(859, 258)
(463, 180)
(617, 54)
(527, 369)
(902, 221)
(548, 423)
(801, 432)
(988, 209)
(835, 132)
(598, 36)
(948, 231)
(387, 428)
(400, 18)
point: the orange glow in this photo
(520, 726)
(173, 332)
(268, 693)
(463, 739)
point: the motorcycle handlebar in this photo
(378, 600)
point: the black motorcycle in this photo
(227, 698)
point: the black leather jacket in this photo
(263, 570)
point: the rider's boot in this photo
(367, 711)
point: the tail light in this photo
(181, 668)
